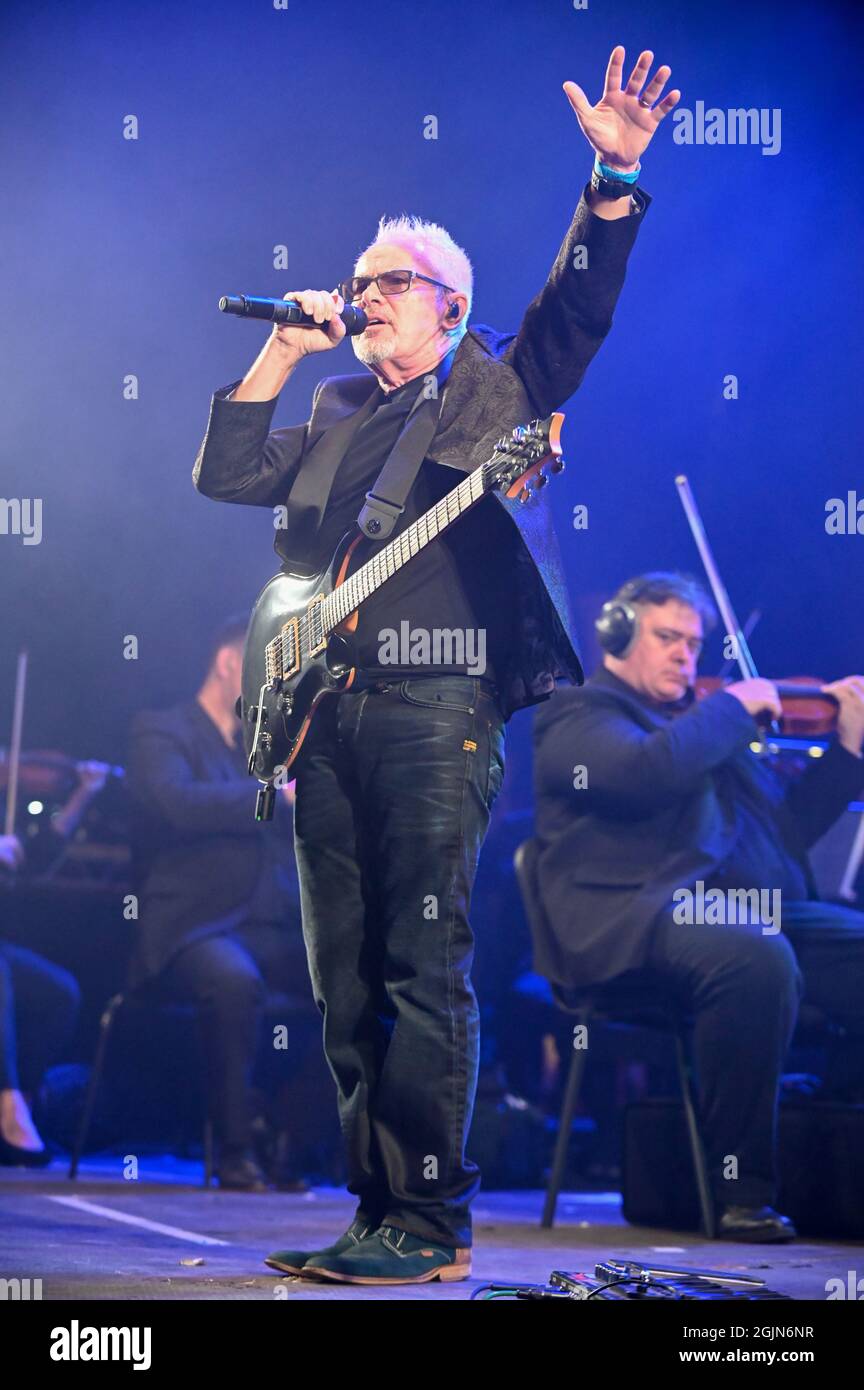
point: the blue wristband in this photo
(607, 172)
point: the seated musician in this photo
(646, 802)
(39, 1000)
(218, 919)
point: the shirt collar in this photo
(410, 388)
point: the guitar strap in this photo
(385, 500)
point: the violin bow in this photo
(742, 655)
(15, 745)
(747, 629)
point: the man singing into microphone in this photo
(399, 773)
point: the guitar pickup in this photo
(282, 654)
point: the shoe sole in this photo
(448, 1274)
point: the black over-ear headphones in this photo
(618, 624)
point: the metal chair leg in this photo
(697, 1149)
(562, 1143)
(106, 1023)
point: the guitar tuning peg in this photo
(524, 494)
(557, 465)
(540, 481)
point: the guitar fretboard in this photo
(356, 589)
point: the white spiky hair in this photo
(433, 245)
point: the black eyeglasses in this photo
(389, 282)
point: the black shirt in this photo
(460, 582)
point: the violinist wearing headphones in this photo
(671, 855)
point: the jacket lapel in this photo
(481, 403)
(308, 497)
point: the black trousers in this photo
(393, 802)
(744, 988)
(39, 1004)
(227, 977)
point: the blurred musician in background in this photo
(39, 1000)
(218, 917)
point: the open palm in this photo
(620, 127)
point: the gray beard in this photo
(368, 351)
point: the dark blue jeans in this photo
(393, 802)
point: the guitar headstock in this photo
(517, 466)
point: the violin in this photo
(42, 773)
(808, 710)
(811, 711)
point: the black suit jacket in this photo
(497, 381)
(199, 855)
(649, 821)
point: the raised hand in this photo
(620, 127)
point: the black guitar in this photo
(296, 651)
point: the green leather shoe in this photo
(393, 1256)
(294, 1261)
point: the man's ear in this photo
(454, 311)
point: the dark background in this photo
(260, 127)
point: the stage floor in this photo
(105, 1238)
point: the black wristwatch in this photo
(611, 188)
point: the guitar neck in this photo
(427, 528)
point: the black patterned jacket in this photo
(497, 381)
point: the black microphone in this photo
(287, 311)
